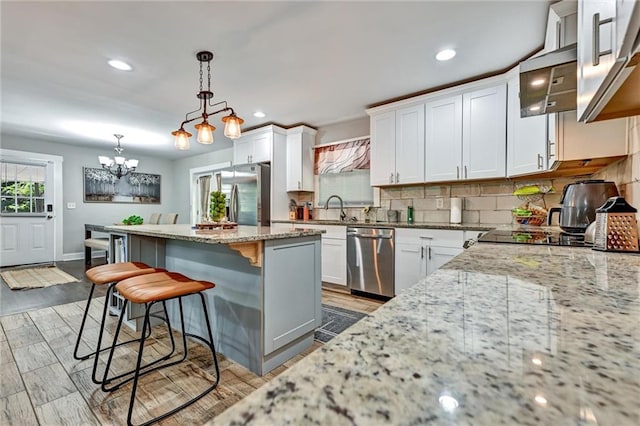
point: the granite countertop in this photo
(241, 234)
(418, 225)
(503, 334)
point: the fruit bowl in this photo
(535, 220)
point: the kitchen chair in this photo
(148, 290)
(154, 219)
(110, 274)
(170, 218)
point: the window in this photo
(342, 168)
(22, 188)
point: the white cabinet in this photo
(397, 146)
(443, 142)
(466, 135)
(526, 137)
(334, 251)
(484, 145)
(420, 252)
(255, 147)
(300, 142)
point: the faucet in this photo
(343, 215)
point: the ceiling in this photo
(307, 61)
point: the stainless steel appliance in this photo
(370, 260)
(248, 191)
(579, 203)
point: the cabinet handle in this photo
(465, 172)
(421, 252)
(397, 177)
(457, 172)
(391, 178)
(540, 165)
(298, 184)
(595, 59)
(429, 249)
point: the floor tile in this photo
(68, 410)
(24, 336)
(11, 322)
(32, 357)
(16, 410)
(46, 319)
(10, 380)
(47, 383)
(68, 309)
(3, 337)
(5, 353)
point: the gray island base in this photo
(267, 300)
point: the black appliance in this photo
(539, 237)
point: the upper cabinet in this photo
(466, 136)
(254, 146)
(443, 143)
(527, 138)
(484, 144)
(300, 142)
(608, 57)
(397, 146)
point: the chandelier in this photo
(118, 165)
(205, 130)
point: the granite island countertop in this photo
(241, 234)
(416, 225)
(503, 334)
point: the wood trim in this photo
(251, 250)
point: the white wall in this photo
(343, 130)
(75, 158)
(181, 181)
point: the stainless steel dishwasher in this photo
(370, 260)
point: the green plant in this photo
(217, 206)
(133, 220)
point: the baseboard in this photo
(80, 255)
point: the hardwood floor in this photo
(41, 383)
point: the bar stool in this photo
(109, 274)
(148, 290)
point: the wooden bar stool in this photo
(109, 274)
(149, 290)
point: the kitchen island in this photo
(503, 334)
(267, 301)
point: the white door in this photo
(334, 261)
(242, 150)
(383, 148)
(484, 135)
(26, 215)
(443, 142)
(294, 162)
(262, 148)
(409, 265)
(410, 145)
(438, 256)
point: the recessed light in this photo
(259, 114)
(534, 108)
(536, 361)
(541, 400)
(448, 403)
(445, 55)
(538, 82)
(120, 65)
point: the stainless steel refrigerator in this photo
(248, 193)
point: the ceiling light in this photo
(205, 130)
(120, 65)
(534, 108)
(118, 165)
(540, 400)
(445, 55)
(536, 361)
(448, 403)
(538, 82)
(259, 114)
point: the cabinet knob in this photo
(457, 172)
(299, 185)
(465, 172)
(391, 178)
(397, 177)
(540, 164)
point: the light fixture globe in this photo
(232, 125)
(205, 130)
(182, 139)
